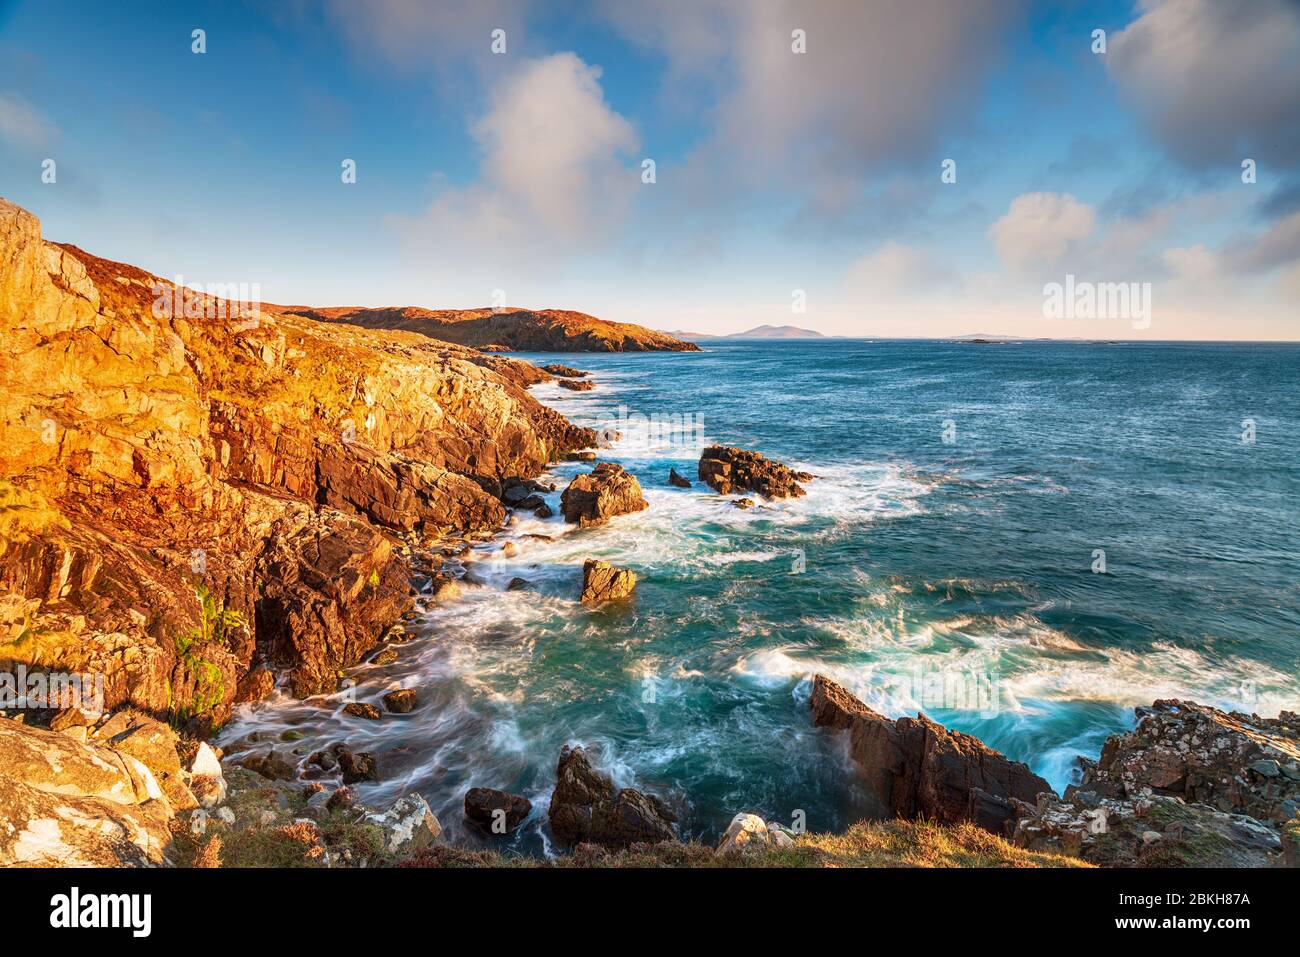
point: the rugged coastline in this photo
(198, 508)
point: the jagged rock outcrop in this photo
(602, 582)
(497, 812)
(196, 488)
(1236, 763)
(678, 480)
(1154, 831)
(913, 767)
(69, 804)
(599, 495)
(585, 809)
(506, 330)
(577, 385)
(727, 469)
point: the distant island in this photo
(758, 332)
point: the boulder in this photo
(747, 832)
(675, 478)
(915, 768)
(409, 825)
(497, 812)
(207, 780)
(65, 804)
(362, 709)
(585, 808)
(601, 494)
(1233, 762)
(727, 469)
(154, 744)
(577, 385)
(602, 582)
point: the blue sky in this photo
(775, 171)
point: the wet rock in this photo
(675, 478)
(585, 809)
(409, 825)
(518, 584)
(602, 582)
(255, 686)
(401, 701)
(363, 709)
(544, 511)
(357, 766)
(497, 812)
(272, 765)
(1230, 761)
(577, 385)
(743, 503)
(913, 767)
(727, 469)
(563, 371)
(599, 495)
(582, 455)
(385, 656)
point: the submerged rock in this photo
(602, 582)
(601, 494)
(585, 809)
(913, 767)
(497, 812)
(401, 701)
(727, 469)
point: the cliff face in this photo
(520, 330)
(262, 459)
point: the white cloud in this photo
(23, 125)
(1216, 81)
(1040, 228)
(554, 174)
(898, 270)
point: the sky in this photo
(860, 168)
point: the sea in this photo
(1025, 541)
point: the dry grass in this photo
(865, 844)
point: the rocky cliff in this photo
(517, 330)
(193, 497)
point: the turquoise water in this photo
(955, 577)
